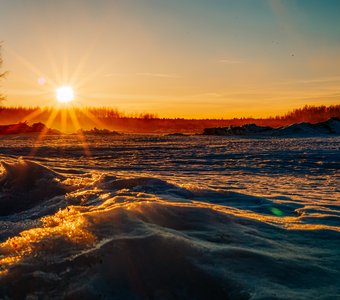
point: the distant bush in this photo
(96, 131)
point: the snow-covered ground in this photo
(328, 128)
(151, 217)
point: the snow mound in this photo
(332, 126)
(303, 129)
(24, 184)
(146, 184)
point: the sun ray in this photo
(80, 82)
(80, 134)
(28, 64)
(37, 112)
(65, 66)
(63, 119)
(53, 64)
(87, 112)
(42, 134)
(84, 59)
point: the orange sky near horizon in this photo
(194, 59)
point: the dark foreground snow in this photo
(148, 217)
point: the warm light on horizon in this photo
(272, 60)
(65, 94)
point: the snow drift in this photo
(25, 184)
(150, 217)
(330, 127)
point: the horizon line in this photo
(151, 115)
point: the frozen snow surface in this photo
(175, 217)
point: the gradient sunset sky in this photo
(176, 58)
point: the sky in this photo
(174, 58)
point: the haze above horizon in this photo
(175, 58)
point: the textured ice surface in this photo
(149, 217)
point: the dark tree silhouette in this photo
(2, 74)
(112, 119)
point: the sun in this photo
(64, 94)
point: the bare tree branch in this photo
(3, 74)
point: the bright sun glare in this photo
(65, 94)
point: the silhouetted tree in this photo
(112, 119)
(2, 75)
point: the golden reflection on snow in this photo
(72, 224)
(68, 224)
(141, 206)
